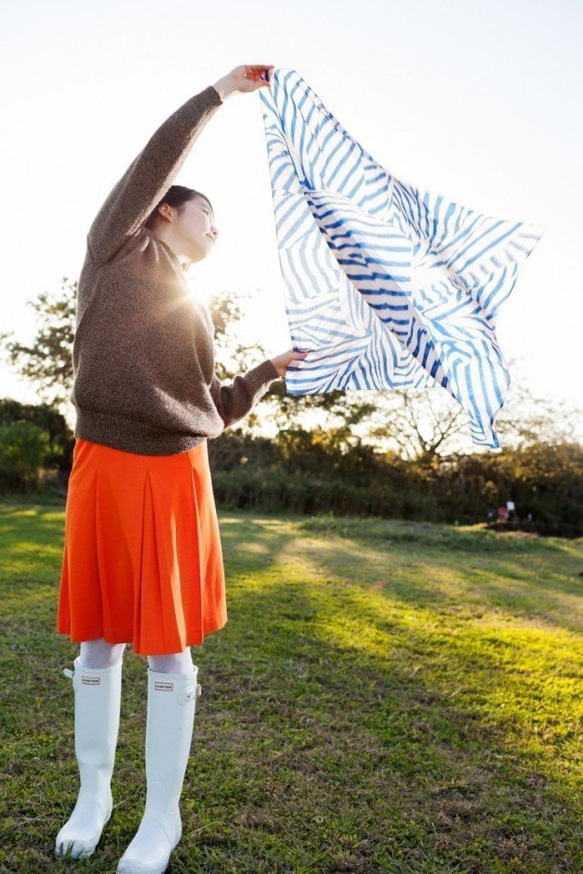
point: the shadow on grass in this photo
(31, 542)
(352, 719)
(468, 696)
(520, 573)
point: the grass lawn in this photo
(386, 697)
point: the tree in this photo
(24, 448)
(226, 311)
(48, 360)
(526, 419)
(427, 427)
(421, 425)
(48, 420)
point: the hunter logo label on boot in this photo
(159, 686)
(90, 681)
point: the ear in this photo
(166, 212)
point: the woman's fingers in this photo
(248, 77)
(256, 76)
(282, 362)
(258, 71)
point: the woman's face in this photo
(194, 229)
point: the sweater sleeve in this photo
(149, 176)
(233, 402)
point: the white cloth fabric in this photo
(387, 285)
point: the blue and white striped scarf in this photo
(389, 286)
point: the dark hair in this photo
(176, 196)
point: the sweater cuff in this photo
(261, 376)
(215, 94)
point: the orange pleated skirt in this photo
(142, 562)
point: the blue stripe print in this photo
(393, 286)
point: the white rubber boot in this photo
(97, 705)
(171, 707)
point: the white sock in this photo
(98, 653)
(173, 663)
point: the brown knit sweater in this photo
(143, 356)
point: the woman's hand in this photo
(282, 362)
(244, 79)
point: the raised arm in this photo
(149, 176)
(152, 173)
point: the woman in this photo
(142, 561)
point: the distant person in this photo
(142, 561)
(511, 507)
(503, 514)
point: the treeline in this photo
(36, 448)
(392, 454)
(303, 471)
(308, 472)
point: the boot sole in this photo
(140, 869)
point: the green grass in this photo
(386, 697)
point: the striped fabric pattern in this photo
(387, 285)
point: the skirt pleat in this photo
(142, 561)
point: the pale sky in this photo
(479, 101)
